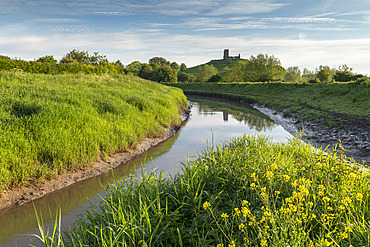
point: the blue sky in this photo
(298, 32)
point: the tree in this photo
(83, 57)
(175, 66)
(134, 67)
(185, 77)
(264, 68)
(324, 73)
(237, 72)
(183, 67)
(293, 74)
(165, 74)
(344, 74)
(308, 75)
(146, 71)
(160, 61)
(205, 72)
(47, 59)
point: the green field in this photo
(313, 101)
(247, 192)
(53, 123)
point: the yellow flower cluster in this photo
(206, 205)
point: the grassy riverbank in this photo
(53, 123)
(312, 101)
(247, 192)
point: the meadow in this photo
(53, 123)
(249, 191)
(320, 102)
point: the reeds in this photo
(247, 192)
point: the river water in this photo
(211, 121)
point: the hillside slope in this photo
(222, 66)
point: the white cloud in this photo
(56, 20)
(243, 7)
(301, 20)
(193, 49)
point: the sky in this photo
(298, 32)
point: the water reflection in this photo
(243, 113)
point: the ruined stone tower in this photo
(227, 55)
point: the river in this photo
(211, 121)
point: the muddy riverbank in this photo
(353, 133)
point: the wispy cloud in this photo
(243, 7)
(301, 20)
(57, 20)
(112, 13)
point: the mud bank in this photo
(25, 194)
(353, 133)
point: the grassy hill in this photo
(53, 123)
(222, 66)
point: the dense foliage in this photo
(248, 192)
(52, 123)
(158, 69)
(74, 62)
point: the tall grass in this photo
(53, 123)
(247, 192)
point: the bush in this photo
(363, 80)
(216, 78)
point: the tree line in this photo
(264, 68)
(260, 68)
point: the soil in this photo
(25, 194)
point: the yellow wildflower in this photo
(269, 175)
(245, 203)
(245, 211)
(347, 201)
(295, 183)
(274, 166)
(206, 205)
(254, 176)
(241, 226)
(253, 186)
(236, 211)
(264, 243)
(224, 215)
(359, 196)
(326, 199)
(352, 175)
(325, 242)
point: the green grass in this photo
(53, 123)
(247, 192)
(222, 66)
(311, 101)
